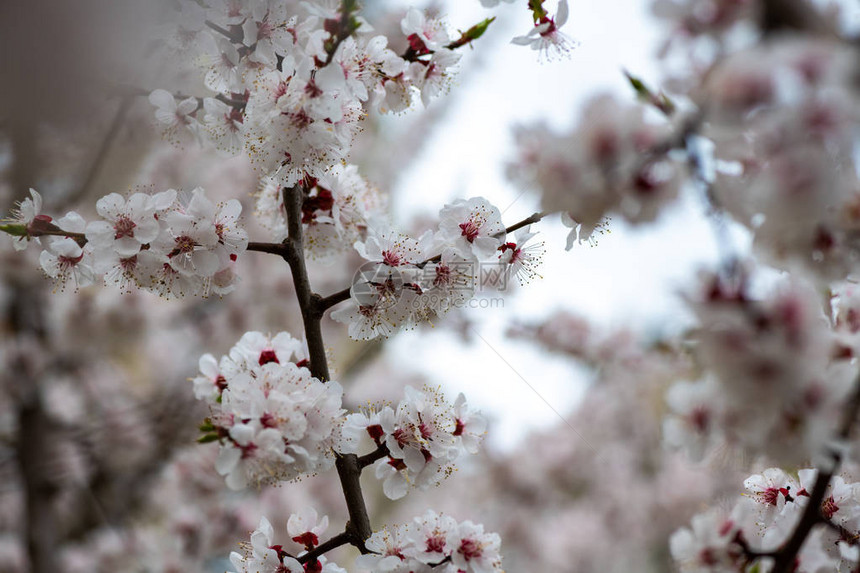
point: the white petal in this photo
(562, 13)
(163, 99)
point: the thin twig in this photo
(376, 454)
(338, 540)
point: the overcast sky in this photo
(630, 279)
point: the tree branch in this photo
(338, 540)
(348, 469)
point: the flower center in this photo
(184, 244)
(124, 227)
(267, 356)
(470, 230)
(436, 544)
(470, 549)
(392, 258)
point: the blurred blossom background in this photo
(98, 466)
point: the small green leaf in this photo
(207, 426)
(538, 12)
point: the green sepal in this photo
(659, 100)
(15, 230)
(472, 33)
(538, 11)
(207, 426)
(208, 438)
(638, 85)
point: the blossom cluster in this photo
(292, 81)
(783, 120)
(406, 281)
(777, 376)
(762, 520)
(613, 162)
(335, 212)
(262, 554)
(432, 542)
(273, 420)
(171, 243)
(421, 438)
(545, 37)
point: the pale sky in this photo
(630, 279)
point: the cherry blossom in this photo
(546, 38)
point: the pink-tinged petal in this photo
(208, 366)
(66, 247)
(164, 200)
(540, 29)
(49, 264)
(413, 459)
(237, 480)
(147, 230)
(72, 222)
(395, 486)
(231, 210)
(243, 434)
(37, 201)
(186, 106)
(200, 207)
(126, 246)
(84, 276)
(100, 234)
(137, 206)
(163, 99)
(264, 534)
(110, 206)
(249, 29)
(206, 263)
(562, 13)
(228, 457)
(165, 117)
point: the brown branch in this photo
(279, 249)
(531, 219)
(358, 528)
(338, 540)
(377, 454)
